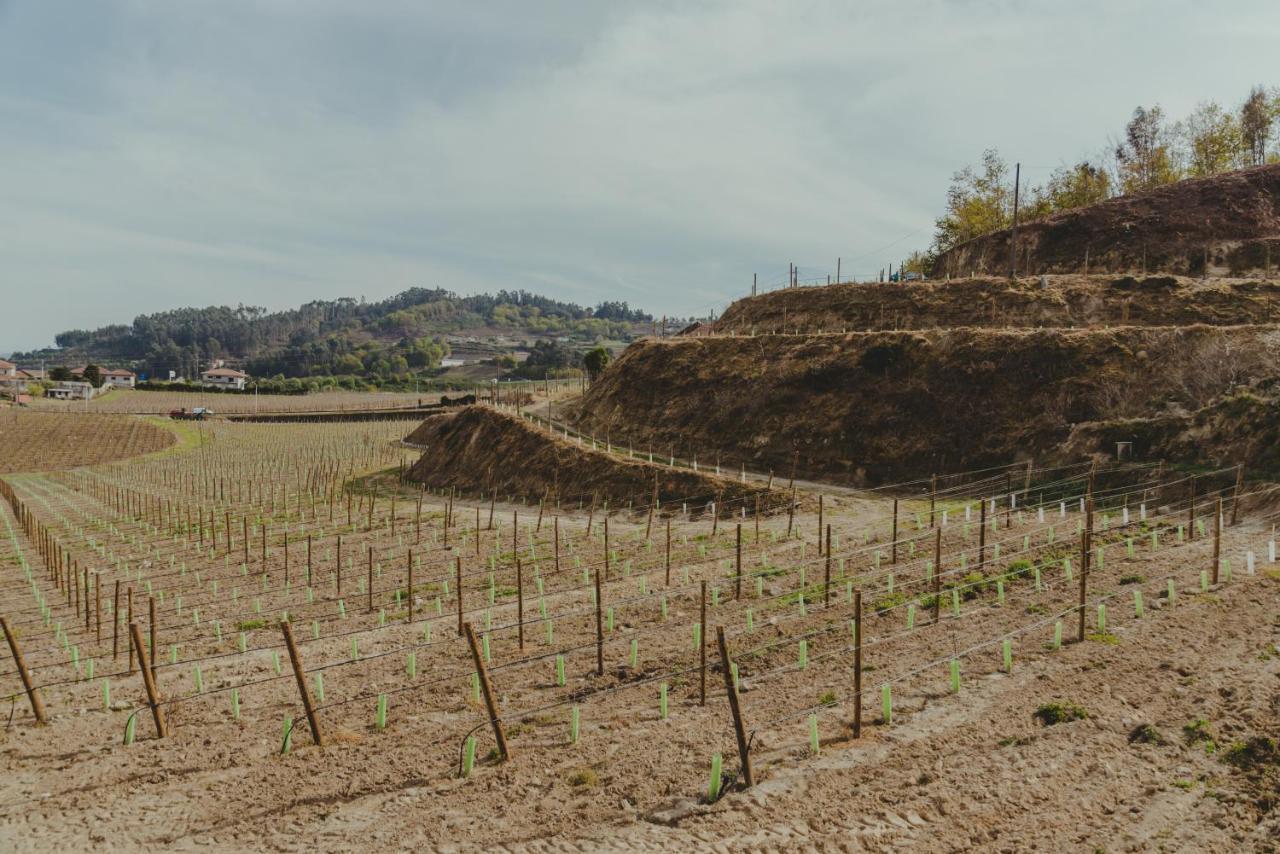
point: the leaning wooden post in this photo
(298, 674)
(857, 664)
(148, 681)
(155, 642)
(33, 693)
(702, 651)
(1217, 538)
(731, 688)
(487, 690)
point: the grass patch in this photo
(1198, 732)
(1103, 637)
(1257, 751)
(1132, 579)
(250, 625)
(827, 698)
(583, 777)
(1050, 714)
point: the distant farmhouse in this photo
(224, 378)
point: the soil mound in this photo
(875, 407)
(1057, 301)
(481, 449)
(1223, 225)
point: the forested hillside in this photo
(387, 338)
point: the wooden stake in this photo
(458, 573)
(155, 643)
(668, 551)
(520, 602)
(369, 591)
(487, 690)
(894, 558)
(739, 731)
(410, 562)
(857, 663)
(933, 497)
(600, 613)
(148, 681)
(115, 624)
(296, 660)
(1217, 538)
(702, 637)
(33, 693)
(937, 574)
(737, 592)
(982, 534)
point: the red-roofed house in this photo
(119, 378)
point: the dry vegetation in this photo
(43, 441)
(161, 402)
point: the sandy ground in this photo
(967, 771)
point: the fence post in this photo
(33, 693)
(148, 681)
(301, 677)
(487, 689)
(857, 664)
(739, 730)
(1217, 538)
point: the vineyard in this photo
(278, 638)
(41, 441)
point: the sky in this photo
(156, 154)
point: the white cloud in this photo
(167, 154)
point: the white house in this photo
(224, 378)
(72, 390)
(119, 378)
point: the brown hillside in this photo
(1233, 218)
(1060, 300)
(481, 449)
(879, 406)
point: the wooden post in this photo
(739, 731)
(338, 567)
(1086, 542)
(148, 681)
(520, 601)
(555, 524)
(857, 663)
(487, 690)
(458, 571)
(600, 616)
(668, 551)
(369, 591)
(894, 558)
(820, 515)
(933, 497)
(737, 591)
(826, 581)
(702, 638)
(410, 562)
(33, 693)
(296, 660)
(115, 624)
(308, 560)
(130, 620)
(97, 605)
(151, 624)
(1217, 538)
(982, 534)
(1191, 511)
(245, 538)
(937, 574)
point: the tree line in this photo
(1150, 152)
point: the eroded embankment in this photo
(481, 450)
(1071, 301)
(882, 406)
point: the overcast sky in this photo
(160, 153)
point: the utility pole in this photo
(1013, 234)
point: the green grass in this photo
(250, 625)
(1050, 714)
(1103, 637)
(1198, 732)
(583, 777)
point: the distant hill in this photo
(1224, 225)
(404, 334)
